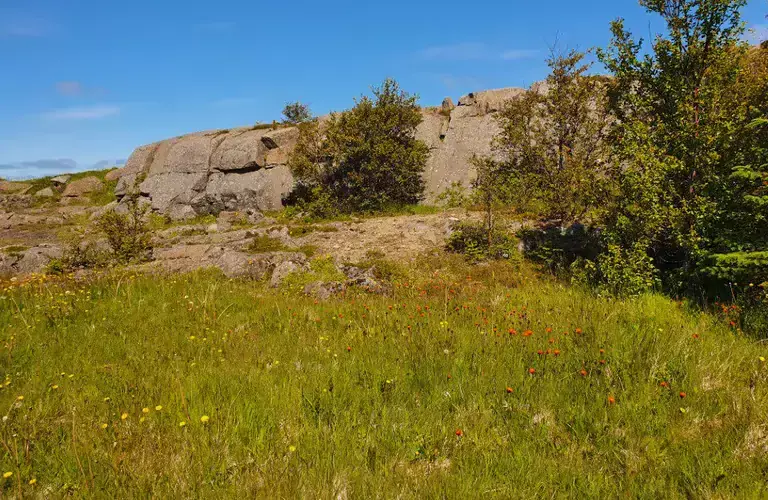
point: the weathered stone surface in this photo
(284, 269)
(83, 186)
(45, 193)
(32, 260)
(115, 174)
(246, 168)
(324, 290)
(60, 180)
(13, 187)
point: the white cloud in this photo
(473, 51)
(87, 113)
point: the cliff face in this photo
(245, 168)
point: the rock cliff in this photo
(245, 168)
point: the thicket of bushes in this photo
(664, 162)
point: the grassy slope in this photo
(364, 394)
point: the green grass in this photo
(362, 396)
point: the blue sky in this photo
(88, 81)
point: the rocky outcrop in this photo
(82, 187)
(246, 168)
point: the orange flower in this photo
(557, 352)
(540, 352)
(527, 333)
(664, 383)
(512, 331)
(611, 400)
(531, 370)
(695, 336)
(510, 390)
(682, 395)
(602, 351)
(349, 348)
(583, 373)
(578, 331)
(549, 330)
(551, 341)
(602, 361)
(459, 432)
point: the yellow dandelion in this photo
(7, 474)
(182, 424)
(104, 426)
(54, 387)
(158, 407)
(107, 399)
(20, 398)
(145, 410)
(123, 416)
(762, 359)
(204, 419)
(32, 482)
(291, 448)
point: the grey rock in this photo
(60, 180)
(83, 186)
(45, 193)
(324, 290)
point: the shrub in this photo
(454, 196)
(296, 112)
(471, 239)
(363, 160)
(128, 234)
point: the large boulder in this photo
(83, 186)
(29, 261)
(246, 168)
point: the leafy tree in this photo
(673, 154)
(551, 144)
(296, 112)
(364, 159)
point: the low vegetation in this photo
(486, 381)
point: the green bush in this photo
(128, 234)
(362, 160)
(471, 239)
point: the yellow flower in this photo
(54, 387)
(141, 420)
(123, 416)
(32, 482)
(204, 419)
(145, 410)
(7, 474)
(291, 448)
(104, 426)
(182, 424)
(158, 408)
(20, 398)
(762, 359)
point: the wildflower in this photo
(54, 387)
(7, 474)
(20, 398)
(123, 416)
(349, 348)
(141, 420)
(459, 432)
(32, 482)
(583, 373)
(683, 410)
(531, 370)
(182, 424)
(578, 331)
(158, 408)
(695, 336)
(510, 390)
(611, 400)
(104, 426)
(204, 419)
(682, 395)
(527, 333)
(761, 359)
(291, 448)
(557, 352)
(664, 383)
(602, 361)
(145, 410)
(107, 399)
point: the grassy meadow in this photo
(469, 381)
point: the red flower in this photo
(682, 395)
(510, 390)
(664, 383)
(531, 370)
(459, 432)
(349, 348)
(611, 400)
